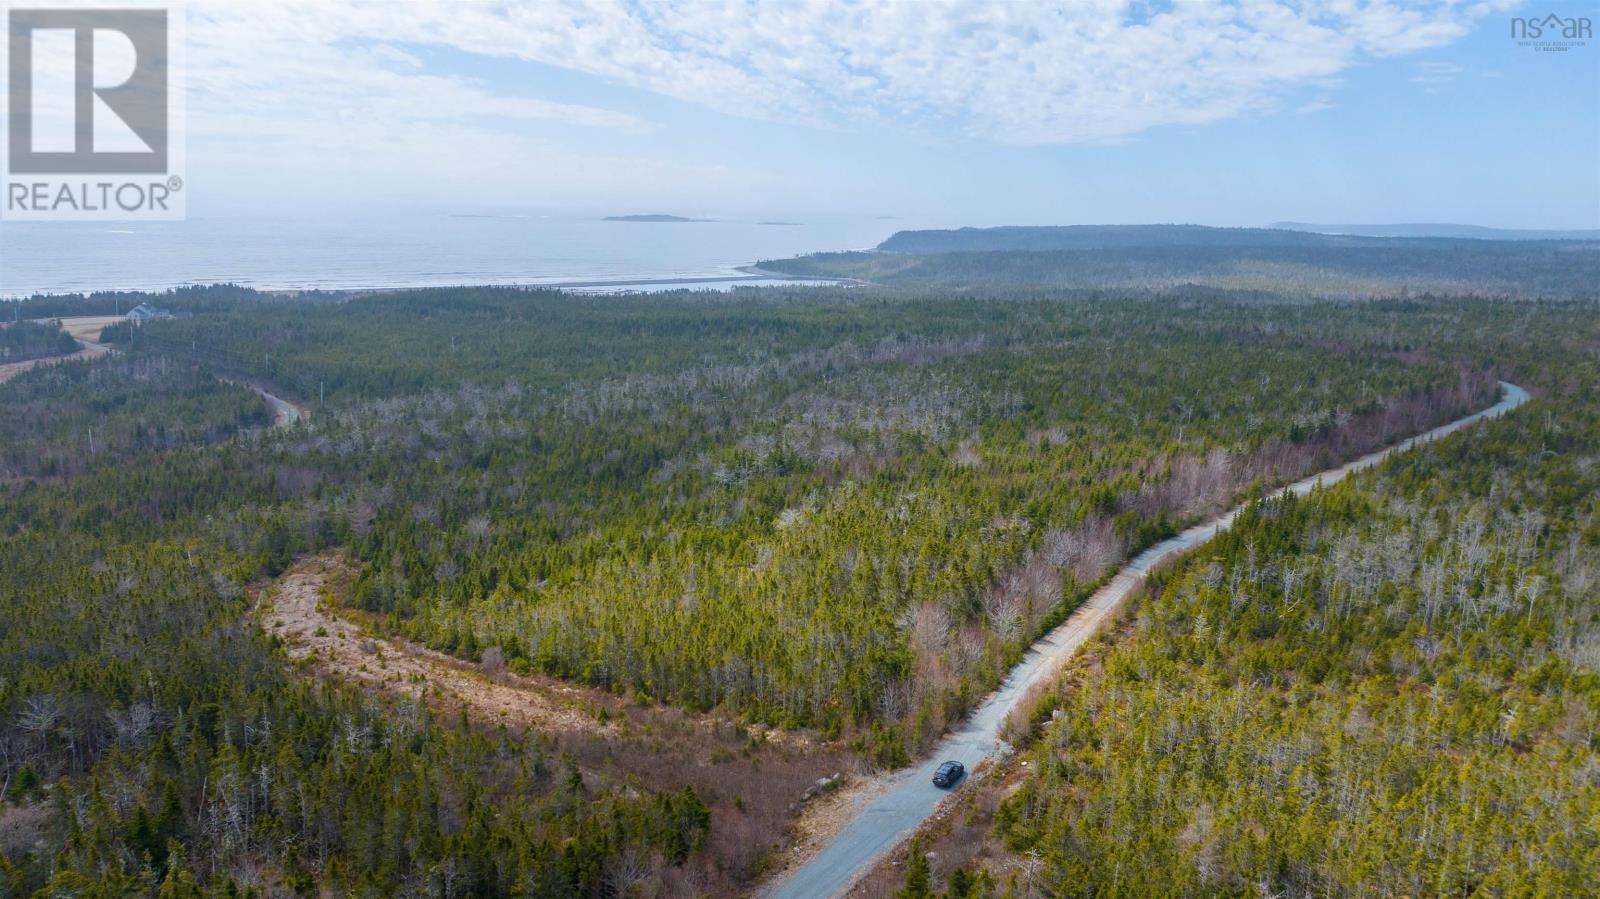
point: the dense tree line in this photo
(63, 418)
(194, 298)
(24, 340)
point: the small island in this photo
(651, 218)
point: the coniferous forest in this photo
(817, 525)
(1386, 688)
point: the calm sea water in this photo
(399, 251)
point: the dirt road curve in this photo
(85, 351)
(284, 413)
(884, 819)
(84, 329)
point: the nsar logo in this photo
(1552, 33)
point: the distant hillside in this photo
(1099, 237)
(1088, 237)
(1252, 260)
(657, 217)
(1466, 232)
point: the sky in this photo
(961, 113)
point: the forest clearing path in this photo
(882, 818)
(757, 781)
(294, 609)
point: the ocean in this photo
(403, 250)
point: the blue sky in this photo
(942, 113)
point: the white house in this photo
(145, 312)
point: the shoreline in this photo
(746, 274)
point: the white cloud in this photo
(353, 90)
(256, 61)
(282, 95)
(1019, 73)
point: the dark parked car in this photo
(948, 774)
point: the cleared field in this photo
(89, 327)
